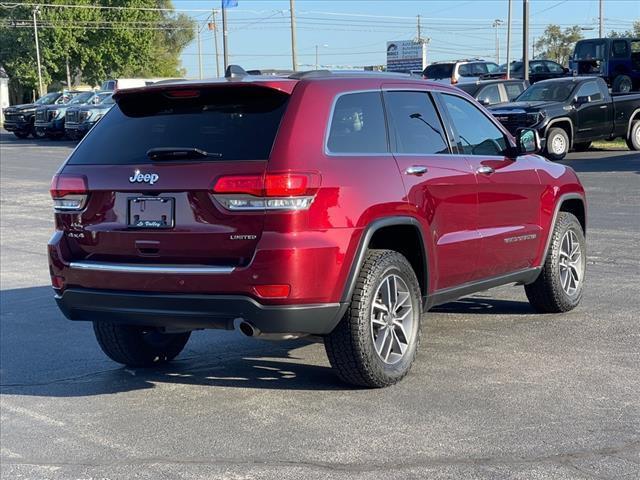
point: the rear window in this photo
(513, 90)
(438, 71)
(590, 50)
(236, 123)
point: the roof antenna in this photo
(234, 71)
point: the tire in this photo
(581, 147)
(557, 145)
(549, 293)
(138, 346)
(21, 135)
(633, 140)
(622, 84)
(38, 132)
(351, 348)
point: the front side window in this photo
(537, 67)
(490, 95)
(477, 135)
(590, 89)
(554, 67)
(513, 90)
(415, 122)
(357, 125)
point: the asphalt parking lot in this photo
(497, 392)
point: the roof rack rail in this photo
(309, 74)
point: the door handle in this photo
(485, 170)
(416, 170)
(603, 106)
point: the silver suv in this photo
(459, 71)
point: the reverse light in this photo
(272, 291)
(69, 192)
(274, 191)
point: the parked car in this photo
(19, 119)
(334, 205)
(538, 70)
(79, 119)
(492, 92)
(571, 113)
(50, 118)
(616, 60)
(459, 71)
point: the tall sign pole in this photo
(225, 46)
(294, 56)
(35, 31)
(215, 42)
(509, 41)
(525, 38)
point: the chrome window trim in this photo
(155, 269)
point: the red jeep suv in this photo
(336, 205)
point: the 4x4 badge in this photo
(149, 178)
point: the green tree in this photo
(97, 43)
(557, 44)
(634, 32)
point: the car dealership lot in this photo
(497, 392)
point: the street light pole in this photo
(35, 31)
(215, 42)
(601, 20)
(199, 53)
(225, 47)
(496, 25)
(525, 39)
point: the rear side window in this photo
(590, 89)
(513, 90)
(490, 95)
(415, 123)
(619, 49)
(236, 123)
(438, 71)
(357, 124)
(477, 135)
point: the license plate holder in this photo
(150, 212)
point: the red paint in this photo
(468, 221)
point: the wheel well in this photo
(575, 207)
(407, 240)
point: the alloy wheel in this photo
(571, 267)
(558, 144)
(392, 323)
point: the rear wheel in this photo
(557, 145)
(138, 346)
(375, 343)
(622, 84)
(38, 132)
(559, 286)
(633, 140)
(581, 147)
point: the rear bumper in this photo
(196, 311)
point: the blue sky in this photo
(355, 32)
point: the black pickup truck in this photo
(570, 113)
(19, 119)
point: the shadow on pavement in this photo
(485, 306)
(627, 162)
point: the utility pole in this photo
(533, 48)
(225, 46)
(419, 30)
(601, 20)
(215, 42)
(496, 24)
(509, 41)
(199, 52)
(525, 39)
(68, 74)
(294, 56)
(36, 9)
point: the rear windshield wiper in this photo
(180, 153)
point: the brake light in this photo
(273, 191)
(182, 93)
(69, 192)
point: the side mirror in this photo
(582, 100)
(565, 69)
(528, 141)
(484, 102)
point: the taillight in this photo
(273, 191)
(272, 291)
(69, 192)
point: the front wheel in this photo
(557, 145)
(39, 132)
(559, 286)
(375, 343)
(633, 140)
(138, 346)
